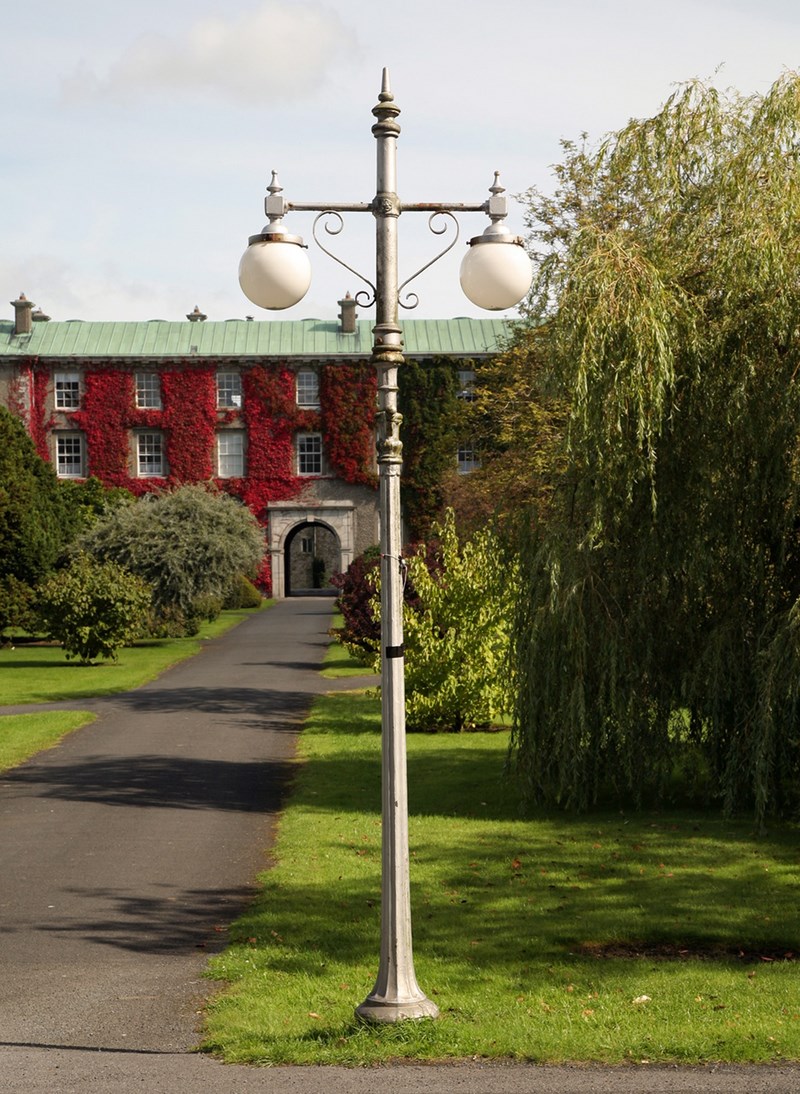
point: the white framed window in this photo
(230, 454)
(149, 455)
(229, 389)
(67, 386)
(466, 384)
(468, 459)
(148, 390)
(306, 545)
(70, 462)
(307, 387)
(309, 453)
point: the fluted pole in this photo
(396, 994)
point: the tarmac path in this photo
(127, 849)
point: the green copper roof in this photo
(304, 338)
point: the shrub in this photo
(187, 544)
(457, 637)
(362, 630)
(93, 608)
(242, 593)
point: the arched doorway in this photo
(311, 553)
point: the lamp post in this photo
(275, 273)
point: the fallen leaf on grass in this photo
(641, 999)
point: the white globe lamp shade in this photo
(275, 271)
(496, 271)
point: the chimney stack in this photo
(348, 314)
(23, 323)
(196, 316)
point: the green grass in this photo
(23, 735)
(42, 674)
(608, 937)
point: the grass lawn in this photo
(645, 937)
(42, 674)
(23, 735)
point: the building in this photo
(280, 413)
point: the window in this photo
(468, 459)
(69, 455)
(67, 390)
(150, 455)
(466, 384)
(309, 454)
(230, 454)
(148, 390)
(306, 545)
(229, 389)
(307, 387)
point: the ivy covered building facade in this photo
(279, 413)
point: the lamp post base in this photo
(377, 1010)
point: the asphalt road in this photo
(126, 850)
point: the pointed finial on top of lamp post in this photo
(386, 95)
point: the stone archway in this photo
(311, 553)
(288, 521)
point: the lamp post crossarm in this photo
(328, 207)
(369, 207)
(433, 208)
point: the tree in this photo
(35, 520)
(189, 544)
(517, 424)
(93, 608)
(89, 500)
(659, 605)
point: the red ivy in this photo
(39, 424)
(105, 420)
(189, 420)
(347, 395)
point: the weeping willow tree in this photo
(658, 612)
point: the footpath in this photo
(126, 850)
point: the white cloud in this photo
(279, 49)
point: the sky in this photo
(138, 140)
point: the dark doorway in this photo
(310, 555)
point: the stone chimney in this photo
(39, 317)
(348, 314)
(23, 323)
(196, 316)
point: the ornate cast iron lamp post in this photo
(275, 273)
